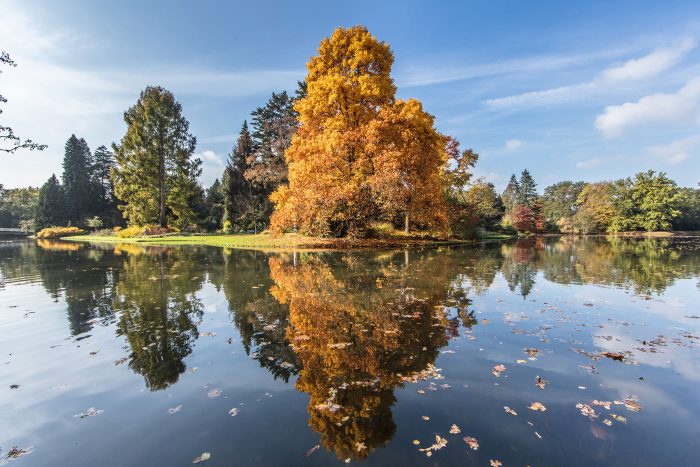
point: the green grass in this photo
(266, 241)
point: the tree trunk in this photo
(405, 222)
(161, 174)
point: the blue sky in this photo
(583, 91)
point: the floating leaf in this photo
(425, 417)
(495, 463)
(454, 429)
(214, 393)
(312, 450)
(233, 412)
(632, 405)
(607, 422)
(416, 442)
(586, 410)
(618, 418)
(540, 383)
(175, 409)
(605, 404)
(205, 456)
(509, 410)
(91, 412)
(537, 406)
(471, 442)
(497, 370)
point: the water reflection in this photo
(156, 298)
(360, 328)
(348, 329)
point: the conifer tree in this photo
(155, 175)
(527, 192)
(51, 206)
(77, 183)
(239, 198)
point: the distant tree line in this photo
(342, 156)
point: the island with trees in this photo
(340, 161)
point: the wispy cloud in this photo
(647, 66)
(589, 164)
(681, 106)
(652, 64)
(513, 144)
(677, 151)
(213, 165)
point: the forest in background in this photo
(341, 157)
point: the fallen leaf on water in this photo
(205, 456)
(120, 361)
(16, 453)
(471, 442)
(454, 429)
(495, 463)
(312, 450)
(613, 355)
(425, 417)
(521, 362)
(214, 393)
(586, 410)
(91, 412)
(605, 404)
(175, 409)
(208, 334)
(540, 383)
(416, 442)
(497, 370)
(607, 422)
(233, 412)
(538, 435)
(632, 405)
(509, 410)
(618, 418)
(440, 443)
(537, 406)
(14, 386)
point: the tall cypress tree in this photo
(51, 206)
(77, 171)
(155, 175)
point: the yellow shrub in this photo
(57, 232)
(130, 232)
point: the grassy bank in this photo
(266, 241)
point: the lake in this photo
(541, 351)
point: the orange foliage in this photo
(357, 153)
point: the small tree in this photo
(523, 219)
(94, 223)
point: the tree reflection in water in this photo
(360, 327)
(156, 298)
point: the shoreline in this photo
(288, 241)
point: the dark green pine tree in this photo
(527, 194)
(102, 163)
(51, 205)
(239, 199)
(77, 179)
(215, 205)
(511, 194)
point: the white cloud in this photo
(589, 164)
(513, 144)
(50, 97)
(681, 106)
(676, 151)
(657, 61)
(644, 67)
(213, 165)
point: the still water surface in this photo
(130, 356)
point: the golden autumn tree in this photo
(409, 157)
(357, 153)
